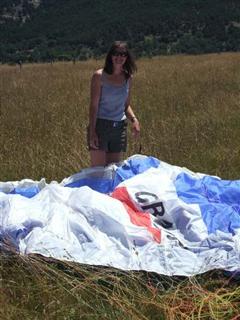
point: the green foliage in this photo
(81, 29)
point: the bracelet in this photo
(133, 119)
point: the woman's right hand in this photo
(93, 140)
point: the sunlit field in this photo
(189, 111)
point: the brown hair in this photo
(129, 66)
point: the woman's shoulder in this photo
(98, 73)
(129, 79)
(128, 76)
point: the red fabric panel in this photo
(139, 218)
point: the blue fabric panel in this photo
(124, 172)
(27, 192)
(133, 167)
(219, 200)
(97, 184)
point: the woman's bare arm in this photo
(130, 114)
(93, 109)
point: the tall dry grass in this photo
(35, 287)
(188, 107)
(43, 119)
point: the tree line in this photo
(81, 29)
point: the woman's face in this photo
(119, 56)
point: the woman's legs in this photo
(98, 158)
(113, 157)
(113, 139)
(103, 158)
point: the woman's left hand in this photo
(136, 128)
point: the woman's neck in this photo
(117, 71)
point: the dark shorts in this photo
(112, 135)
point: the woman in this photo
(110, 107)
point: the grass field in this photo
(188, 108)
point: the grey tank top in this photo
(112, 100)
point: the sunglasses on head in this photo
(119, 53)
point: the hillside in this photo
(40, 30)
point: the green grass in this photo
(188, 107)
